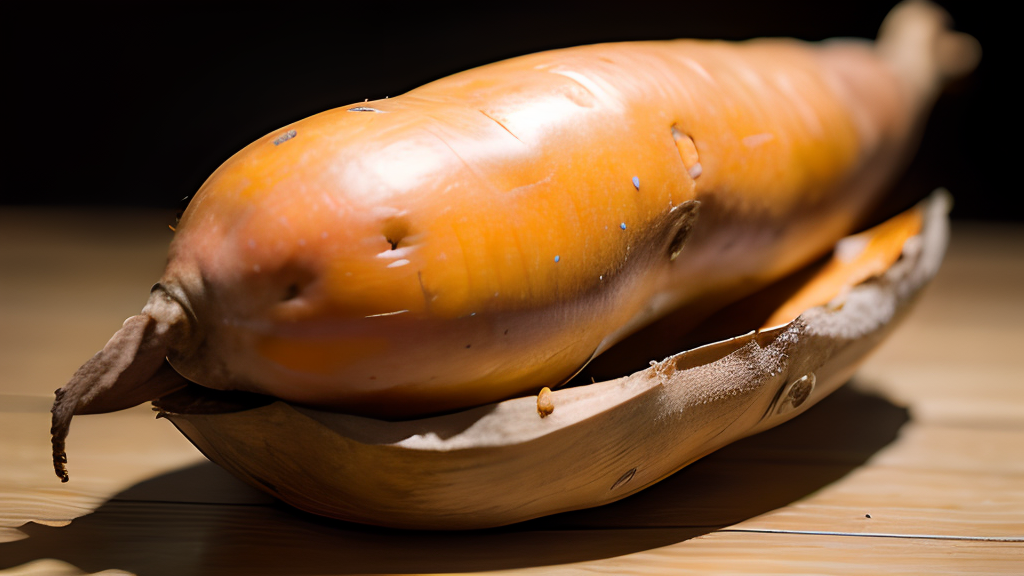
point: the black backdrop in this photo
(134, 104)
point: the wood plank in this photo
(955, 456)
(70, 277)
(312, 549)
(955, 449)
(908, 502)
(952, 394)
(760, 553)
(112, 452)
(160, 538)
(156, 538)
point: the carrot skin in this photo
(489, 233)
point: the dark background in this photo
(135, 104)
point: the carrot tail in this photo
(131, 369)
(916, 40)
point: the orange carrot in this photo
(489, 233)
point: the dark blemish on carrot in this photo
(867, 515)
(182, 204)
(468, 345)
(291, 292)
(427, 296)
(636, 182)
(685, 217)
(373, 377)
(285, 137)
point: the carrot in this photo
(489, 233)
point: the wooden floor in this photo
(917, 466)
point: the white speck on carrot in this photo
(397, 253)
(756, 140)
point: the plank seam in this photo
(879, 535)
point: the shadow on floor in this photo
(200, 520)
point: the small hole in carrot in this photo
(687, 152)
(395, 230)
(291, 292)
